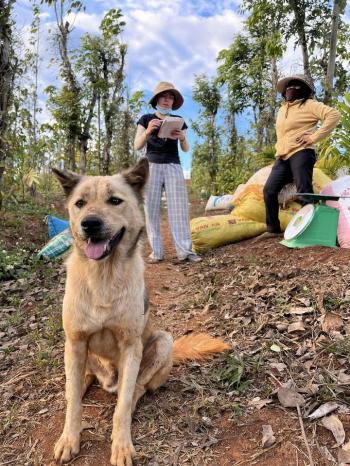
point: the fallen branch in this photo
(304, 436)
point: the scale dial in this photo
(299, 222)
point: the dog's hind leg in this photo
(88, 380)
(156, 364)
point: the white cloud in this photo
(163, 46)
(86, 22)
(169, 41)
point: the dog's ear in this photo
(137, 176)
(67, 179)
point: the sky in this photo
(168, 40)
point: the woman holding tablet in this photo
(165, 172)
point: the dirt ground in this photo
(286, 315)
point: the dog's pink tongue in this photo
(95, 250)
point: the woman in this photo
(296, 135)
(165, 172)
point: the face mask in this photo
(295, 94)
(162, 110)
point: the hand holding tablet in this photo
(168, 125)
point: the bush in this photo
(13, 263)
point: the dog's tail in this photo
(197, 347)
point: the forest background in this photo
(69, 98)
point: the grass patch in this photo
(339, 347)
(8, 419)
(232, 374)
(14, 263)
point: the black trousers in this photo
(297, 168)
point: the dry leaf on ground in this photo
(323, 410)
(343, 456)
(268, 439)
(280, 366)
(300, 310)
(259, 403)
(334, 424)
(327, 454)
(332, 321)
(289, 398)
(343, 379)
(296, 327)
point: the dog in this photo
(106, 317)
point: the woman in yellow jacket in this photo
(296, 135)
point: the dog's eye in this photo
(115, 200)
(80, 203)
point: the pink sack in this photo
(341, 187)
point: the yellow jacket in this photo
(294, 119)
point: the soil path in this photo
(199, 418)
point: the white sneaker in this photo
(194, 258)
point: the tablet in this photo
(168, 125)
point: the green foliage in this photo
(339, 348)
(205, 157)
(112, 25)
(230, 176)
(31, 179)
(94, 117)
(199, 174)
(207, 94)
(231, 375)
(13, 263)
(248, 68)
(265, 157)
(334, 152)
(123, 151)
(73, 6)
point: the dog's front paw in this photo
(66, 447)
(122, 452)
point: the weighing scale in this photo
(315, 224)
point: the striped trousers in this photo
(170, 177)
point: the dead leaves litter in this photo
(289, 398)
(268, 439)
(334, 424)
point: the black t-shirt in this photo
(160, 150)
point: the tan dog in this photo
(105, 308)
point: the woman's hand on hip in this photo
(152, 125)
(178, 134)
(305, 138)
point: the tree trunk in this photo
(71, 83)
(299, 14)
(260, 125)
(83, 152)
(212, 154)
(85, 135)
(332, 53)
(35, 94)
(99, 156)
(7, 74)
(270, 121)
(107, 148)
(110, 106)
(233, 136)
(70, 151)
(125, 140)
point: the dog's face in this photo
(104, 211)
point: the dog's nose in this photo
(91, 225)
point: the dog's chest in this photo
(122, 316)
(106, 301)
